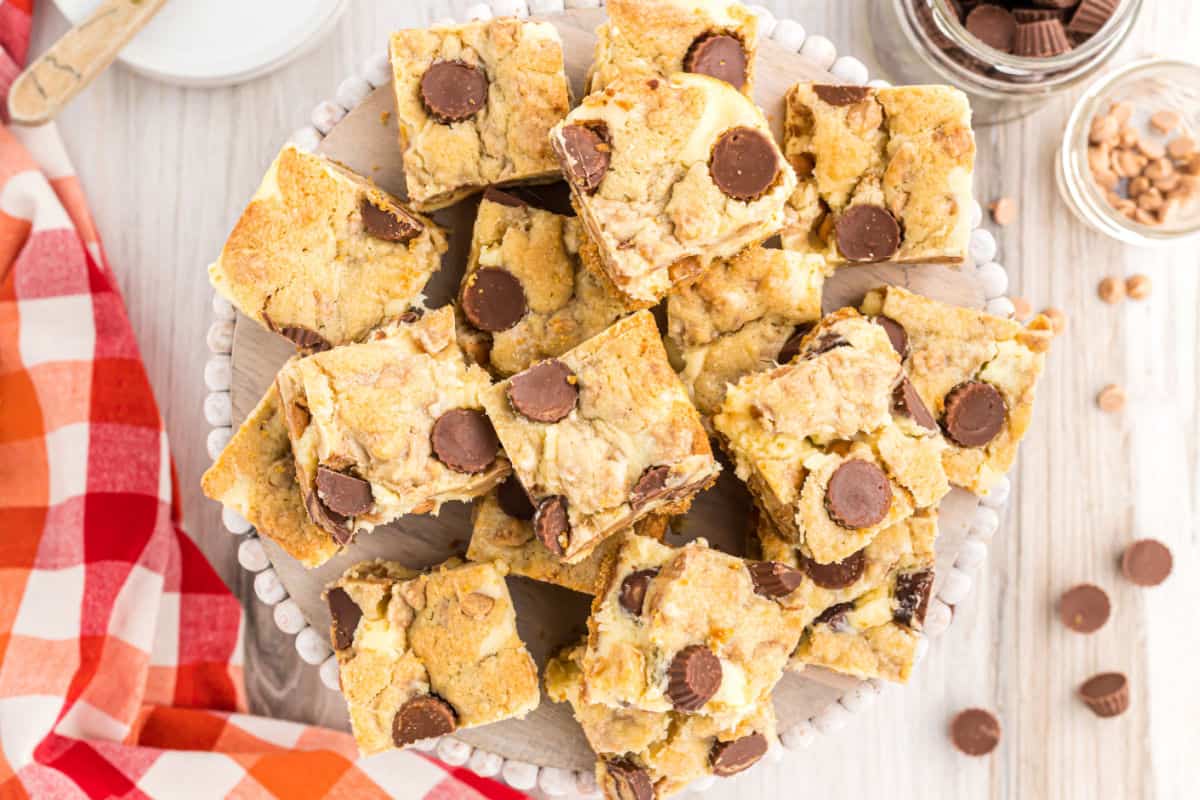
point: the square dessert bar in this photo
(425, 654)
(738, 318)
(526, 295)
(835, 445)
(656, 754)
(255, 475)
(601, 437)
(977, 373)
(669, 175)
(388, 427)
(322, 256)
(475, 104)
(502, 530)
(687, 630)
(658, 38)
(884, 174)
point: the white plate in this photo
(219, 42)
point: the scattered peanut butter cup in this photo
(868, 233)
(345, 614)
(840, 95)
(895, 333)
(975, 732)
(1091, 16)
(552, 525)
(424, 717)
(835, 575)
(585, 153)
(632, 596)
(651, 486)
(859, 494)
(1023, 15)
(993, 25)
(390, 225)
(912, 598)
(835, 616)
(1147, 562)
(453, 91)
(1041, 39)
(1106, 694)
(906, 401)
(348, 495)
(494, 300)
(308, 340)
(627, 781)
(730, 758)
(693, 677)
(791, 348)
(546, 392)
(514, 500)
(333, 523)
(772, 579)
(719, 56)
(464, 440)
(975, 414)
(744, 163)
(1084, 608)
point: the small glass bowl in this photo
(1149, 85)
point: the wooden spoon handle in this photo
(63, 71)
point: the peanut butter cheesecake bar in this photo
(658, 38)
(390, 426)
(601, 437)
(884, 174)
(475, 104)
(669, 175)
(976, 373)
(425, 654)
(322, 256)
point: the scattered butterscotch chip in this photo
(1111, 290)
(1147, 562)
(1121, 111)
(1138, 286)
(1084, 608)
(1022, 310)
(1106, 694)
(1004, 211)
(975, 731)
(1111, 399)
(1057, 317)
(1164, 121)
(1181, 147)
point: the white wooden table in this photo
(167, 171)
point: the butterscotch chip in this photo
(1181, 147)
(1105, 129)
(1106, 178)
(1150, 148)
(1129, 136)
(1138, 286)
(1121, 111)
(1164, 121)
(1099, 157)
(1004, 211)
(1127, 163)
(1057, 317)
(1150, 200)
(1146, 217)
(1021, 308)
(1111, 290)
(1159, 169)
(1138, 185)
(1111, 399)
(1168, 184)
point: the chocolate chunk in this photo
(344, 494)
(651, 486)
(1084, 608)
(835, 616)
(975, 732)
(895, 333)
(730, 758)
(464, 440)
(453, 91)
(424, 717)
(772, 579)
(633, 590)
(1106, 694)
(308, 340)
(494, 300)
(346, 615)
(907, 402)
(585, 153)
(995, 26)
(791, 347)
(744, 163)
(546, 392)
(1147, 562)
(719, 56)
(975, 414)
(912, 598)
(627, 781)
(859, 495)
(389, 225)
(837, 575)
(868, 233)
(551, 524)
(693, 677)
(840, 95)
(333, 523)
(514, 500)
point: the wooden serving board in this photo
(548, 616)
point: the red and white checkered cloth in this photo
(120, 648)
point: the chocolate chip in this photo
(1147, 562)
(1106, 694)
(730, 758)
(907, 402)
(791, 347)
(912, 598)
(840, 95)
(693, 677)
(585, 153)
(744, 163)
(333, 523)
(859, 494)
(837, 575)
(975, 732)
(651, 486)
(493, 300)
(305, 339)
(514, 500)
(895, 333)
(993, 25)
(628, 781)
(424, 717)
(346, 615)
(389, 225)
(453, 91)
(1084, 608)
(633, 590)
(868, 233)
(551, 524)
(975, 414)
(772, 579)
(344, 494)
(835, 616)
(546, 392)
(719, 56)
(464, 440)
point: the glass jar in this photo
(923, 41)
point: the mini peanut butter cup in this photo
(1084, 608)
(345, 614)
(772, 579)
(632, 596)
(1106, 694)
(693, 677)
(552, 525)
(1041, 39)
(1147, 562)
(975, 732)
(424, 717)
(546, 392)
(514, 500)
(859, 495)
(867, 233)
(993, 25)
(453, 91)
(719, 56)
(837, 574)
(344, 494)
(464, 440)
(625, 780)
(840, 95)
(1091, 16)
(912, 598)
(493, 299)
(651, 486)
(730, 758)
(744, 163)
(388, 224)
(585, 153)
(975, 414)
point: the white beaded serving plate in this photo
(547, 750)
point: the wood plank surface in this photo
(168, 170)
